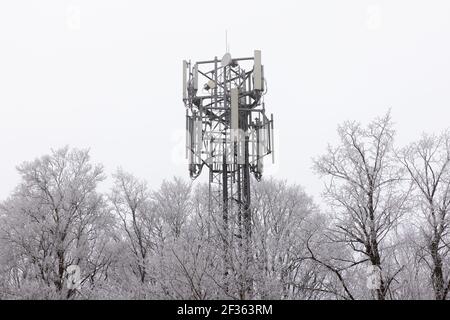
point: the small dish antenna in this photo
(209, 85)
(226, 60)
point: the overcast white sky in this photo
(106, 74)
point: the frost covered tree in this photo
(283, 216)
(384, 234)
(428, 164)
(132, 207)
(173, 204)
(364, 188)
(55, 218)
(189, 259)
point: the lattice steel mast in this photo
(228, 131)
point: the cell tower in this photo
(228, 132)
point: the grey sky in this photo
(106, 75)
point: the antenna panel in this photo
(234, 110)
(198, 141)
(257, 71)
(195, 84)
(185, 67)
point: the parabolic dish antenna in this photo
(226, 60)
